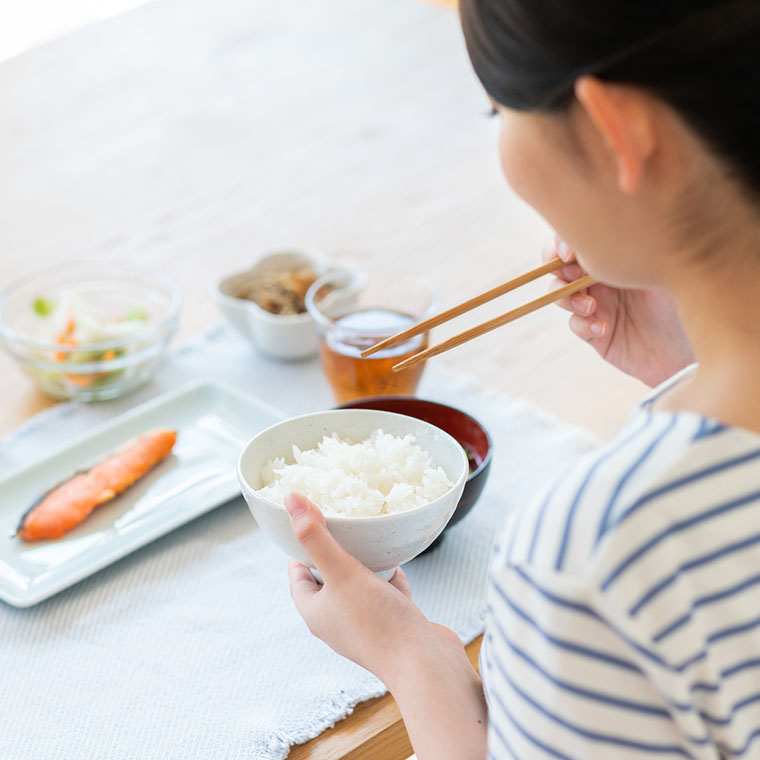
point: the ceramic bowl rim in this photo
(370, 399)
(360, 518)
(362, 274)
(314, 256)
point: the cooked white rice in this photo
(381, 475)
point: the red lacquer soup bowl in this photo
(466, 429)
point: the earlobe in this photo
(622, 124)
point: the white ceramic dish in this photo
(283, 337)
(213, 423)
(382, 542)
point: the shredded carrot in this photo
(66, 338)
(83, 381)
(63, 340)
(108, 355)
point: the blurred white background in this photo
(24, 24)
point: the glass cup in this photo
(353, 310)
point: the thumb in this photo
(310, 528)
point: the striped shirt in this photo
(624, 604)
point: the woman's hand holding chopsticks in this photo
(637, 331)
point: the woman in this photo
(624, 602)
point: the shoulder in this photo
(668, 492)
(631, 583)
(660, 469)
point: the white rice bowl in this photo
(382, 474)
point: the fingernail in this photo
(598, 328)
(582, 304)
(564, 252)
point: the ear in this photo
(621, 116)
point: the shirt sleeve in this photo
(562, 682)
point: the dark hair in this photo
(700, 56)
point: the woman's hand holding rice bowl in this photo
(385, 498)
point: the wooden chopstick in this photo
(455, 311)
(492, 324)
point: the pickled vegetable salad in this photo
(71, 322)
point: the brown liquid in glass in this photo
(352, 377)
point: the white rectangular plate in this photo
(213, 422)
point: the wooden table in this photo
(190, 135)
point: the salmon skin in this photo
(68, 503)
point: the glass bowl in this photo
(131, 312)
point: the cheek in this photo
(519, 164)
(575, 198)
(537, 167)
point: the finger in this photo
(579, 303)
(564, 251)
(554, 248)
(401, 582)
(303, 585)
(571, 272)
(310, 528)
(549, 250)
(588, 328)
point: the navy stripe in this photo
(597, 696)
(596, 736)
(485, 661)
(609, 699)
(685, 480)
(539, 520)
(509, 749)
(726, 750)
(692, 565)
(676, 527)
(629, 473)
(627, 704)
(733, 630)
(648, 653)
(719, 635)
(714, 688)
(671, 627)
(569, 645)
(559, 600)
(502, 739)
(532, 739)
(703, 601)
(515, 529)
(726, 592)
(739, 667)
(603, 457)
(734, 709)
(690, 661)
(709, 427)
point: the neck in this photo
(718, 299)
